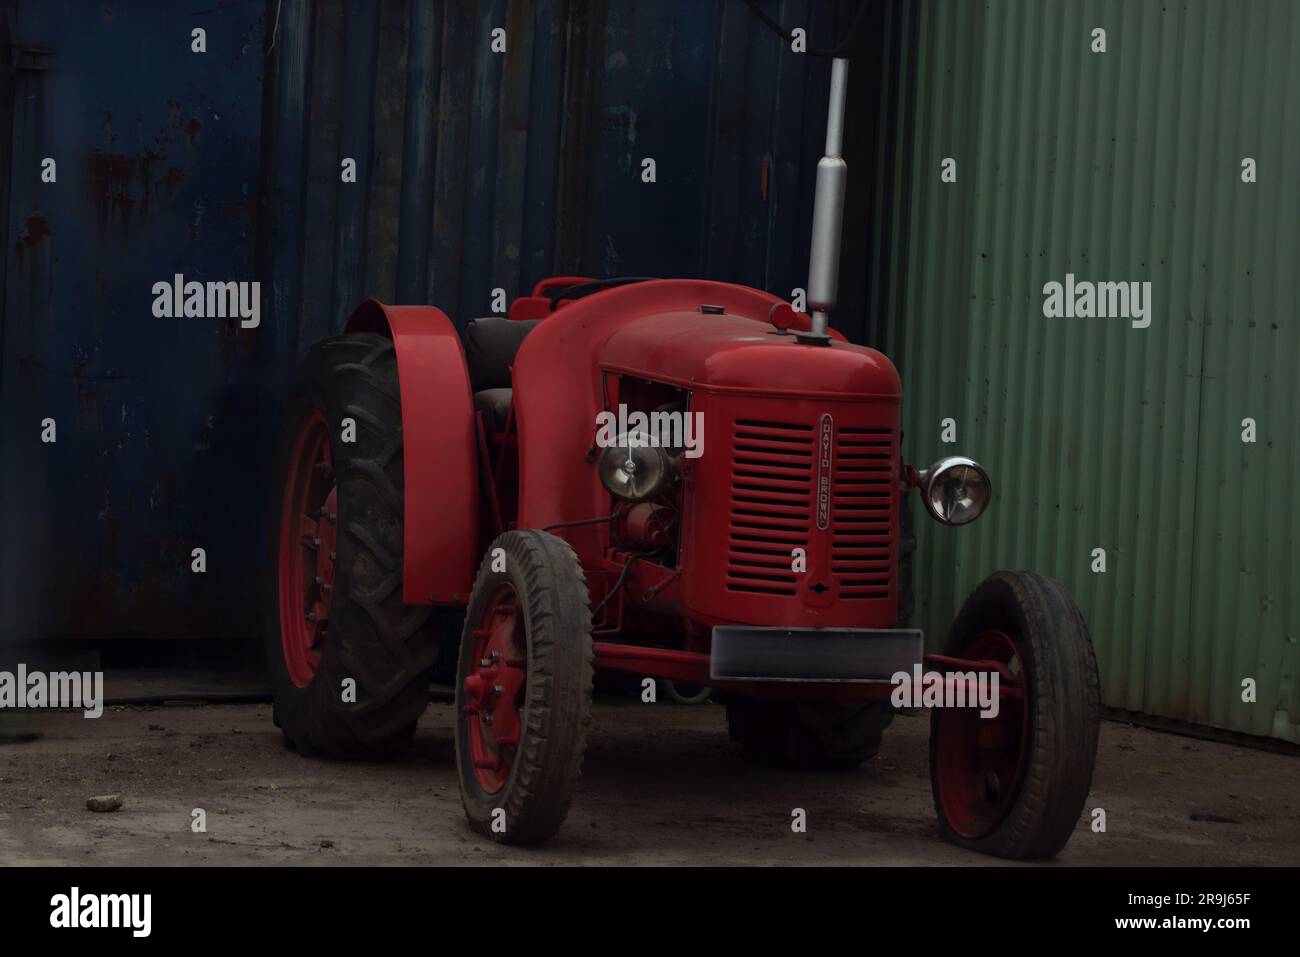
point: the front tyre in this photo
(1014, 785)
(523, 688)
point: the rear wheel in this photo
(523, 690)
(1014, 785)
(349, 662)
(827, 735)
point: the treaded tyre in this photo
(1015, 785)
(337, 538)
(818, 736)
(683, 692)
(523, 688)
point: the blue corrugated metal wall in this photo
(157, 161)
(479, 170)
(475, 170)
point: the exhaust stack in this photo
(828, 211)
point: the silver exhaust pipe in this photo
(828, 209)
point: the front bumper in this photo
(745, 653)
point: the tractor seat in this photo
(495, 406)
(491, 344)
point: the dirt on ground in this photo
(662, 784)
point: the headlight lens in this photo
(634, 469)
(956, 490)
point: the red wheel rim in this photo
(308, 536)
(980, 762)
(494, 690)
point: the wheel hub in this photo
(980, 761)
(308, 551)
(494, 691)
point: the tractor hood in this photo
(722, 353)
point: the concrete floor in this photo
(661, 785)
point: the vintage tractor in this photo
(681, 479)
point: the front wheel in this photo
(523, 689)
(1014, 784)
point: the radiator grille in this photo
(772, 508)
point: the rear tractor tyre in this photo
(349, 662)
(523, 688)
(814, 736)
(1015, 785)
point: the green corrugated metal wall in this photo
(1123, 165)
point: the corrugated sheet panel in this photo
(1123, 165)
(479, 170)
(475, 170)
(156, 152)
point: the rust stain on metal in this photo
(192, 129)
(244, 207)
(79, 377)
(36, 229)
(764, 172)
(122, 184)
(170, 181)
(519, 27)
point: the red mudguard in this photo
(440, 529)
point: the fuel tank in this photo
(724, 353)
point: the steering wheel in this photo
(581, 289)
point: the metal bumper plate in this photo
(744, 653)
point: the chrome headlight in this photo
(955, 490)
(634, 468)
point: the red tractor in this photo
(681, 479)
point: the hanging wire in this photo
(839, 50)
